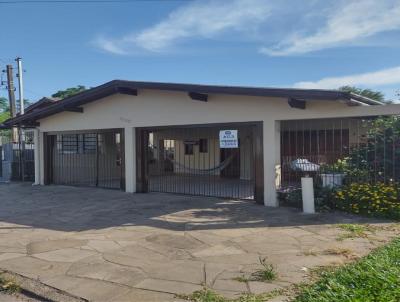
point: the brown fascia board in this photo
(121, 86)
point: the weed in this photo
(339, 251)
(8, 286)
(310, 253)
(241, 278)
(208, 295)
(355, 231)
(267, 273)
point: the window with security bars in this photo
(78, 143)
(89, 142)
(69, 144)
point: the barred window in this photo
(69, 144)
(78, 143)
(89, 143)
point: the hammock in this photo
(219, 168)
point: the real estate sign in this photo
(228, 139)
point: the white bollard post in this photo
(307, 192)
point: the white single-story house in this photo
(223, 141)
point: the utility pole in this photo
(21, 131)
(20, 86)
(11, 99)
(11, 89)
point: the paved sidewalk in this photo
(106, 245)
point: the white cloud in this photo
(370, 79)
(283, 27)
(199, 19)
(349, 22)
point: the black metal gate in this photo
(17, 162)
(190, 160)
(87, 159)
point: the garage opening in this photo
(93, 159)
(208, 160)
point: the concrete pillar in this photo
(40, 158)
(130, 160)
(36, 143)
(272, 158)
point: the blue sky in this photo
(308, 44)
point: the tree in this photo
(369, 93)
(4, 109)
(4, 105)
(62, 94)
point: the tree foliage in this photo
(62, 94)
(4, 105)
(369, 93)
(4, 109)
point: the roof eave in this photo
(116, 86)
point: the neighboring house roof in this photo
(295, 97)
(40, 104)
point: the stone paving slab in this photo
(105, 245)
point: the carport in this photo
(193, 160)
(91, 158)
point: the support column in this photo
(41, 157)
(36, 143)
(272, 159)
(130, 160)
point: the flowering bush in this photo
(380, 199)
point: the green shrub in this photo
(324, 198)
(379, 200)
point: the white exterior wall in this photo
(163, 108)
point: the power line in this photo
(78, 1)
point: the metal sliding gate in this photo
(87, 159)
(190, 160)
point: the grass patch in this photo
(266, 274)
(355, 231)
(8, 286)
(208, 295)
(374, 278)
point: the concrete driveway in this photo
(106, 245)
